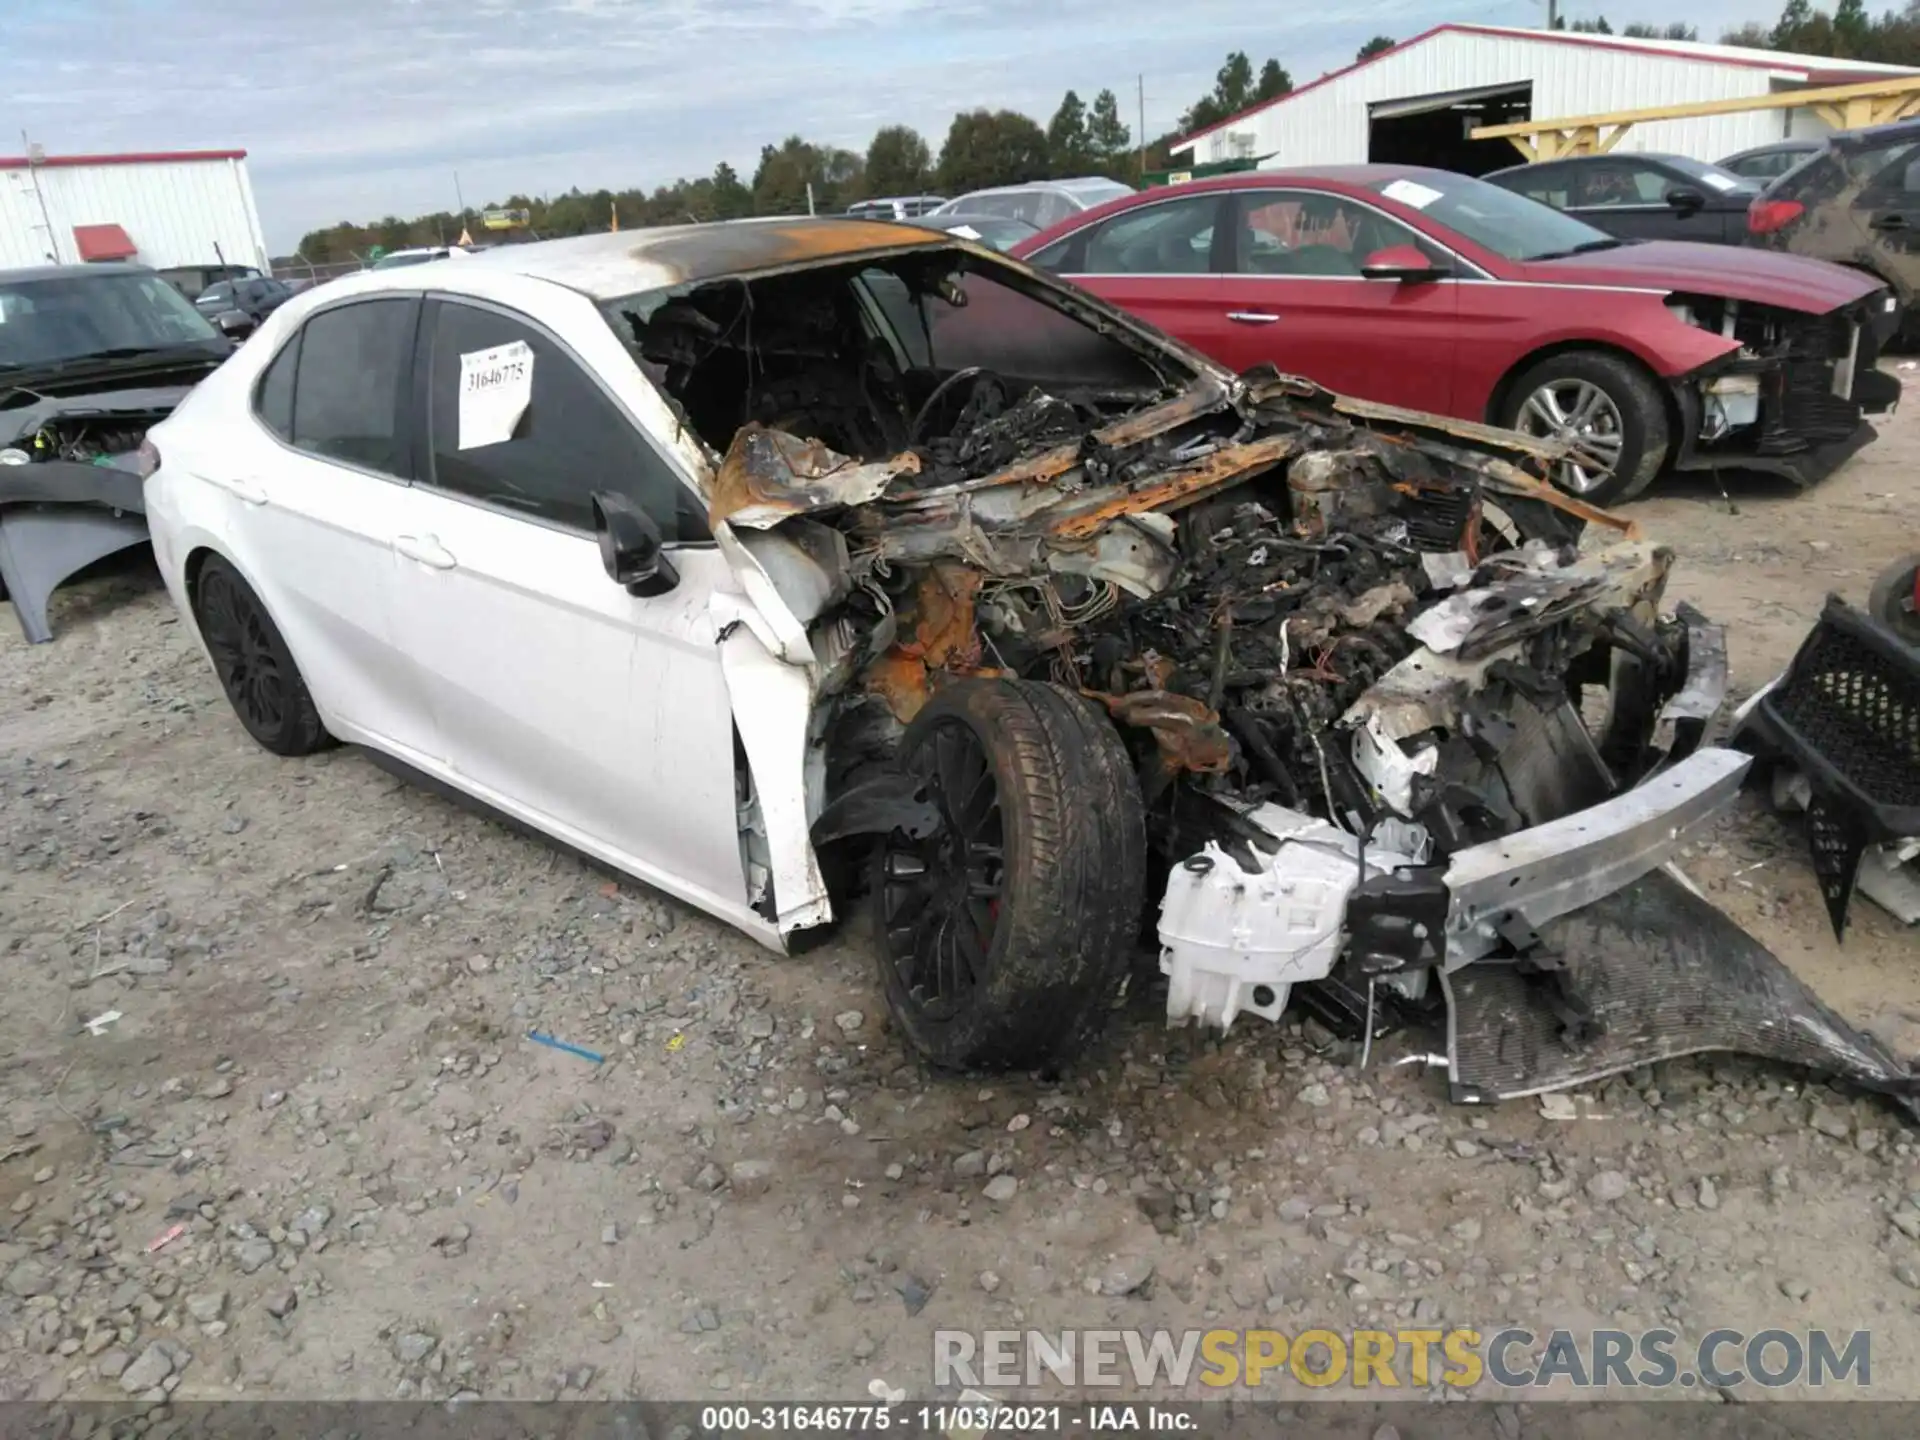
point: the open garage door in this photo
(1434, 129)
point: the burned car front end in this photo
(1078, 640)
(1792, 393)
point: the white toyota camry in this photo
(778, 562)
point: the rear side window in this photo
(1174, 237)
(346, 399)
(273, 400)
(555, 437)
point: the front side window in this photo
(1172, 238)
(1617, 183)
(515, 421)
(348, 387)
(1307, 232)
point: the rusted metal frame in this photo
(1082, 516)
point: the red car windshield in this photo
(1509, 225)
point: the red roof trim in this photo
(142, 157)
(1559, 37)
(103, 242)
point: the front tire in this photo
(1004, 935)
(1605, 404)
(253, 663)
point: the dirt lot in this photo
(316, 1155)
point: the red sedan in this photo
(1438, 292)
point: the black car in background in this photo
(1857, 203)
(1641, 197)
(191, 280)
(238, 306)
(1769, 162)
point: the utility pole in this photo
(34, 157)
(459, 199)
(1140, 82)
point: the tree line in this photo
(1003, 147)
(982, 147)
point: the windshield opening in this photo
(1509, 225)
(885, 353)
(66, 318)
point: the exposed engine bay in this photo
(1399, 714)
(70, 485)
(1790, 399)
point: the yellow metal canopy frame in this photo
(1842, 107)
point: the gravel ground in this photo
(311, 1153)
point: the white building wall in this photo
(1328, 125)
(175, 211)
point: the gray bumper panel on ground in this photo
(1657, 973)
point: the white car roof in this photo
(608, 264)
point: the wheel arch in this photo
(1502, 391)
(199, 552)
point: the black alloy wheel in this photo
(940, 896)
(253, 663)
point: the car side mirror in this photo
(234, 324)
(631, 547)
(1685, 199)
(1407, 263)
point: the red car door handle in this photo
(1251, 317)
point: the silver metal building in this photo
(1414, 104)
(183, 207)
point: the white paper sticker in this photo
(965, 232)
(495, 388)
(1722, 183)
(1409, 193)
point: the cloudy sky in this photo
(352, 109)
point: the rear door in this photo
(1888, 210)
(600, 716)
(1157, 261)
(1294, 295)
(319, 491)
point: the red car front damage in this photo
(1767, 361)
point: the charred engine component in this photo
(1231, 940)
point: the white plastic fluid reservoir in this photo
(1233, 941)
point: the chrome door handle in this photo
(1251, 317)
(425, 549)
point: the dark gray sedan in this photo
(1641, 197)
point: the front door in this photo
(1295, 296)
(600, 716)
